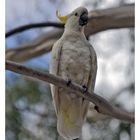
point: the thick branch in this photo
(103, 106)
(100, 20)
(113, 18)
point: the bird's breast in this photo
(75, 61)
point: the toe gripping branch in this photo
(96, 108)
(68, 82)
(85, 89)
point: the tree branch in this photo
(103, 105)
(99, 20)
(33, 25)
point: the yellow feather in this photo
(63, 19)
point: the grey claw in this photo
(85, 89)
(68, 82)
(96, 108)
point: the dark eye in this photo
(76, 14)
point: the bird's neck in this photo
(78, 31)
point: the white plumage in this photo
(73, 58)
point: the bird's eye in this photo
(76, 14)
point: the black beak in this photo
(83, 20)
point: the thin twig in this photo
(103, 105)
(33, 25)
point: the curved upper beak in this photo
(83, 20)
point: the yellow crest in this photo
(63, 19)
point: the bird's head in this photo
(75, 20)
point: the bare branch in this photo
(100, 20)
(102, 15)
(33, 25)
(103, 105)
(112, 18)
(37, 47)
(94, 116)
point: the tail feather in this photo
(70, 116)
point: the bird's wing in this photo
(56, 53)
(92, 76)
(93, 68)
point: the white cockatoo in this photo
(73, 59)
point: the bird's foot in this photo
(96, 108)
(68, 82)
(85, 89)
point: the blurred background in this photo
(29, 111)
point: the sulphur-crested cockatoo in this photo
(73, 59)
